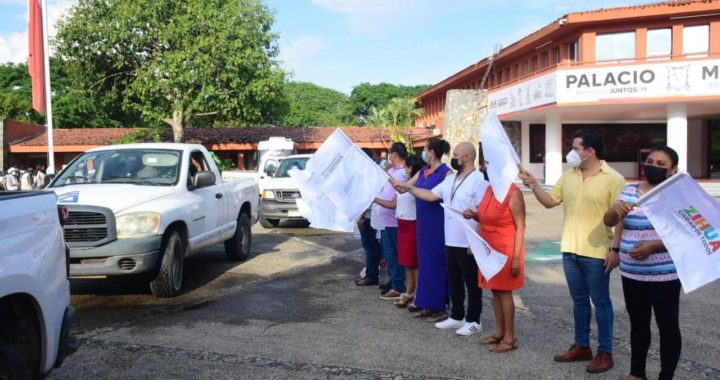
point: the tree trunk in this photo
(178, 127)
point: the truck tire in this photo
(12, 363)
(238, 246)
(169, 277)
(269, 223)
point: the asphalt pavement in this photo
(292, 311)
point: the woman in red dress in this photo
(502, 225)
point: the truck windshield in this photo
(290, 163)
(148, 167)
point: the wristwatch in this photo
(615, 249)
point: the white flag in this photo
(688, 221)
(317, 208)
(343, 175)
(502, 160)
(489, 261)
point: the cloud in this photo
(378, 17)
(14, 46)
(301, 52)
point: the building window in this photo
(696, 40)
(545, 60)
(615, 46)
(557, 55)
(517, 71)
(573, 55)
(508, 76)
(534, 66)
(659, 42)
(499, 77)
(526, 68)
(537, 143)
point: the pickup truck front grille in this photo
(287, 195)
(89, 226)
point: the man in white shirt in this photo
(460, 191)
(11, 182)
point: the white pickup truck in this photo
(35, 310)
(143, 208)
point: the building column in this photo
(525, 143)
(553, 148)
(677, 132)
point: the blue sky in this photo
(342, 43)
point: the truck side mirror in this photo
(269, 171)
(203, 179)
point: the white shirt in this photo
(11, 182)
(461, 195)
(405, 208)
(26, 182)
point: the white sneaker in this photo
(469, 328)
(449, 324)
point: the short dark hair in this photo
(399, 149)
(369, 152)
(415, 164)
(674, 158)
(438, 146)
(591, 139)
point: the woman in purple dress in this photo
(432, 290)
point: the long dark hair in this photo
(415, 164)
(438, 146)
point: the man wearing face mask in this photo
(461, 191)
(586, 192)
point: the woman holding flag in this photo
(649, 278)
(502, 226)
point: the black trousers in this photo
(641, 299)
(463, 273)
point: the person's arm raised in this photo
(541, 195)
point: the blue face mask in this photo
(425, 157)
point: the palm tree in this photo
(378, 119)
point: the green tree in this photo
(396, 120)
(312, 105)
(174, 60)
(366, 95)
(15, 94)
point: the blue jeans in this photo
(587, 280)
(389, 246)
(371, 245)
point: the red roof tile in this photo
(80, 136)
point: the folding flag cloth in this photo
(502, 160)
(687, 220)
(489, 261)
(343, 175)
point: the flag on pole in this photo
(338, 174)
(36, 60)
(489, 261)
(502, 160)
(687, 219)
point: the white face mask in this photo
(573, 159)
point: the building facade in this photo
(639, 75)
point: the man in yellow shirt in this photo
(586, 192)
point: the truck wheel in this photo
(12, 363)
(269, 223)
(238, 246)
(169, 278)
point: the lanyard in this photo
(454, 189)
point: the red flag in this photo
(36, 61)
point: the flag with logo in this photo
(687, 219)
(489, 261)
(342, 174)
(317, 208)
(500, 155)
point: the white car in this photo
(278, 198)
(35, 310)
(143, 208)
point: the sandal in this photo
(404, 300)
(411, 307)
(436, 317)
(492, 339)
(423, 314)
(504, 346)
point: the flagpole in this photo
(48, 92)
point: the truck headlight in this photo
(137, 224)
(268, 194)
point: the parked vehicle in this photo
(35, 310)
(269, 154)
(143, 208)
(278, 197)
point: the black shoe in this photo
(365, 282)
(385, 287)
